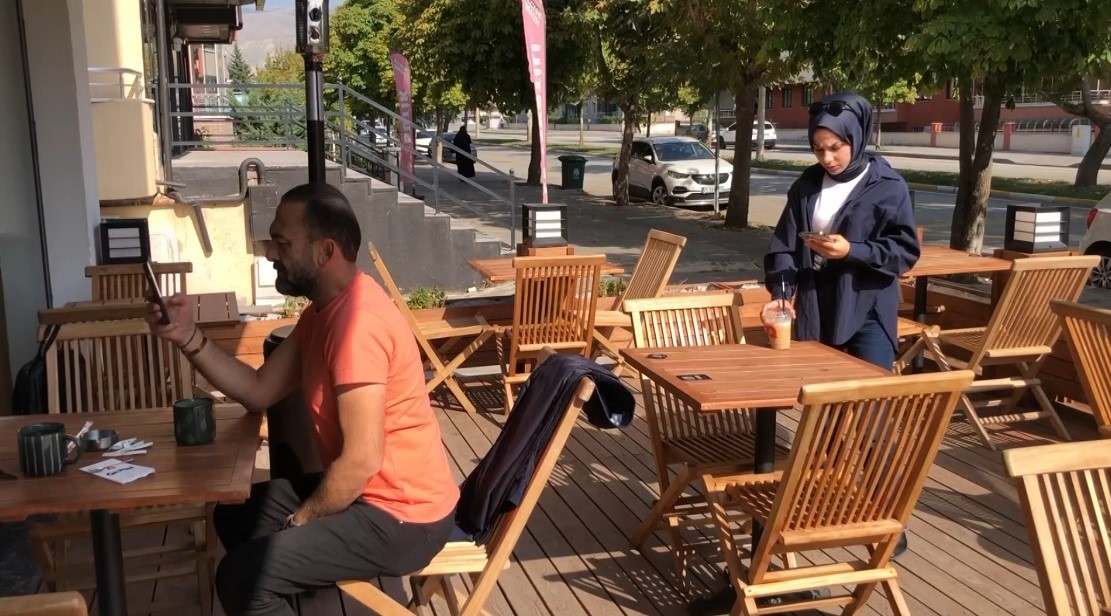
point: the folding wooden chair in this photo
(120, 366)
(695, 442)
(446, 331)
(45, 604)
(1020, 334)
(481, 563)
(1063, 489)
(650, 276)
(1089, 335)
(553, 307)
(127, 281)
(857, 465)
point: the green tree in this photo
(992, 48)
(283, 67)
(738, 50)
(1087, 172)
(360, 45)
(238, 69)
(632, 43)
(481, 44)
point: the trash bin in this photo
(574, 166)
(292, 446)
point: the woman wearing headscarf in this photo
(844, 283)
(464, 164)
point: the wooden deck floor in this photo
(968, 548)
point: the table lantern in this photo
(124, 240)
(1036, 228)
(544, 225)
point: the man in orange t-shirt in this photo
(385, 503)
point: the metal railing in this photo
(273, 115)
(1099, 97)
(128, 84)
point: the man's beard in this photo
(296, 281)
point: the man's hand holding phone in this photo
(180, 327)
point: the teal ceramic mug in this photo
(194, 423)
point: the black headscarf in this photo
(853, 126)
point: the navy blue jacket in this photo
(878, 221)
(497, 484)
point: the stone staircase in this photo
(422, 248)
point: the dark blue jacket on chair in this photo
(878, 221)
(498, 483)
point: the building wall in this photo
(175, 236)
(64, 132)
(24, 287)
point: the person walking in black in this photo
(464, 164)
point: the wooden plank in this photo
(501, 269)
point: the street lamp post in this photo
(312, 44)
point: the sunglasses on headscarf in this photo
(835, 108)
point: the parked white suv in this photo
(728, 137)
(1097, 241)
(674, 171)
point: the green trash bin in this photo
(574, 166)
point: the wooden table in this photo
(208, 309)
(183, 476)
(745, 376)
(501, 269)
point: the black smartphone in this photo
(812, 235)
(154, 294)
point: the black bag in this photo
(29, 394)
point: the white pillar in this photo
(56, 57)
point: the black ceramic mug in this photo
(42, 449)
(194, 423)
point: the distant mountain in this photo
(265, 32)
(269, 30)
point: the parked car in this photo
(728, 137)
(423, 145)
(698, 131)
(674, 171)
(1097, 241)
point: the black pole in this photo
(314, 103)
(108, 556)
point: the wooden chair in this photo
(1089, 335)
(857, 465)
(121, 366)
(125, 281)
(650, 275)
(1064, 496)
(45, 604)
(482, 564)
(695, 442)
(1020, 334)
(553, 307)
(446, 331)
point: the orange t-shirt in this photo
(361, 338)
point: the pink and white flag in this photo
(532, 12)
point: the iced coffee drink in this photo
(779, 329)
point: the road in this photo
(792, 147)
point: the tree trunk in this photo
(439, 150)
(582, 137)
(628, 130)
(648, 130)
(967, 119)
(534, 160)
(737, 215)
(1087, 174)
(761, 113)
(477, 123)
(970, 213)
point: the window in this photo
(768, 98)
(788, 96)
(807, 94)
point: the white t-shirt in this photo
(831, 200)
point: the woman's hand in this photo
(830, 246)
(774, 305)
(181, 327)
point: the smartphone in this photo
(154, 293)
(812, 235)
